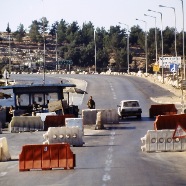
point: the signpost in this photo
(66, 62)
(173, 67)
(183, 84)
(169, 60)
(156, 68)
(183, 87)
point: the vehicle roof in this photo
(129, 100)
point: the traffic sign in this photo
(169, 60)
(179, 132)
(173, 67)
(156, 68)
(66, 62)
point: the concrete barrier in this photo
(162, 140)
(56, 120)
(162, 109)
(43, 115)
(108, 116)
(71, 135)
(4, 151)
(170, 121)
(99, 122)
(46, 157)
(25, 123)
(74, 122)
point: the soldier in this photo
(91, 103)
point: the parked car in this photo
(128, 108)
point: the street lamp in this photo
(183, 41)
(57, 65)
(128, 71)
(44, 52)
(145, 40)
(156, 46)
(43, 46)
(161, 41)
(9, 56)
(174, 34)
(95, 47)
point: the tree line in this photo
(78, 43)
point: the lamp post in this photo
(156, 46)
(95, 48)
(57, 66)
(44, 52)
(161, 42)
(183, 41)
(174, 34)
(43, 45)
(9, 55)
(145, 41)
(128, 70)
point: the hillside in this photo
(30, 54)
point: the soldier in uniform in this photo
(91, 103)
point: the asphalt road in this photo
(111, 156)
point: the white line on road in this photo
(108, 161)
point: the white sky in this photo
(102, 13)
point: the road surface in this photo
(111, 156)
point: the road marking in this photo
(2, 174)
(108, 162)
(110, 149)
(106, 177)
(113, 91)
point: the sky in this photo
(102, 13)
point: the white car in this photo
(129, 108)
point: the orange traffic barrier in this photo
(170, 121)
(56, 120)
(46, 157)
(162, 109)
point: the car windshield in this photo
(131, 104)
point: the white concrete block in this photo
(151, 141)
(43, 115)
(4, 155)
(177, 144)
(71, 135)
(25, 123)
(108, 116)
(169, 140)
(74, 122)
(161, 140)
(183, 144)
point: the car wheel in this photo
(139, 116)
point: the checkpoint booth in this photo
(36, 98)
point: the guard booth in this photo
(38, 97)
